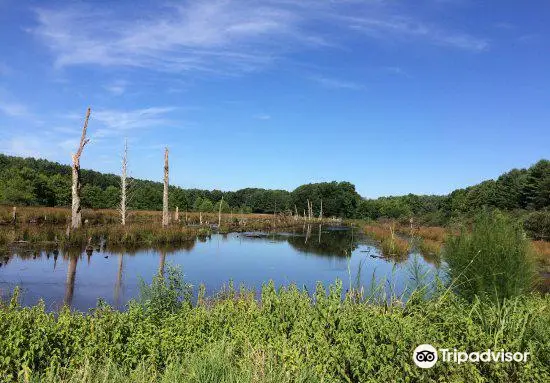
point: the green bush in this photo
(287, 336)
(494, 259)
(537, 225)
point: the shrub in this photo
(493, 259)
(289, 336)
(537, 225)
(167, 292)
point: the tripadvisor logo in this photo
(426, 356)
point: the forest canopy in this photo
(29, 181)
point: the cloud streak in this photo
(400, 27)
(116, 122)
(225, 36)
(332, 83)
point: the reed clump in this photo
(429, 247)
(129, 235)
(494, 259)
(390, 244)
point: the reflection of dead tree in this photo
(69, 284)
(118, 284)
(162, 262)
(165, 213)
(308, 232)
(320, 227)
(76, 210)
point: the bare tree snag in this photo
(177, 214)
(165, 213)
(123, 185)
(220, 214)
(321, 211)
(76, 210)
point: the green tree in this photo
(111, 197)
(225, 207)
(206, 206)
(92, 197)
(16, 188)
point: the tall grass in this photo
(494, 259)
(286, 336)
(391, 245)
(116, 235)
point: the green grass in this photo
(494, 259)
(287, 335)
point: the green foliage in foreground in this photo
(493, 259)
(287, 336)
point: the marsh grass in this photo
(494, 259)
(40, 225)
(116, 235)
(391, 245)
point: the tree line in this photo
(29, 181)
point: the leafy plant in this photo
(493, 259)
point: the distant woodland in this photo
(522, 192)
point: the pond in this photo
(302, 255)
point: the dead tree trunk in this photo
(123, 185)
(220, 213)
(165, 214)
(76, 210)
(321, 211)
(177, 214)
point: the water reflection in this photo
(69, 284)
(303, 255)
(118, 283)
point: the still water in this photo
(303, 256)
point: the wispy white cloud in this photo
(226, 36)
(196, 36)
(396, 70)
(24, 146)
(116, 88)
(5, 70)
(262, 116)
(402, 27)
(332, 83)
(117, 122)
(13, 109)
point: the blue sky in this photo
(394, 96)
